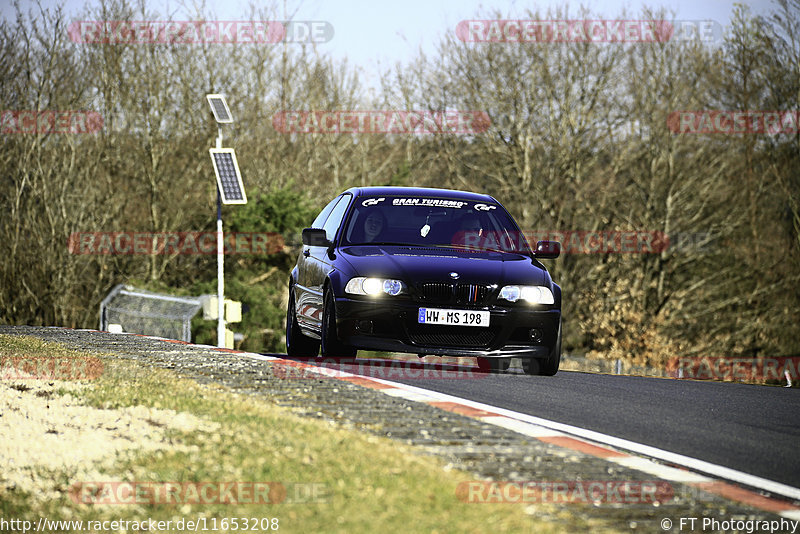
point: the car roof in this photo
(419, 191)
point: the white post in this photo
(220, 264)
(220, 287)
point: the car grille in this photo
(442, 293)
(436, 336)
(471, 293)
(437, 292)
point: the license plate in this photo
(453, 317)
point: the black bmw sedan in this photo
(424, 271)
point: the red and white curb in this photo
(575, 438)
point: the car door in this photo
(305, 307)
(318, 263)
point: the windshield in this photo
(433, 222)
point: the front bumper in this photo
(390, 324)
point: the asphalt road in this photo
(754, 429)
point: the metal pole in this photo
(220, 264)
(220, 277)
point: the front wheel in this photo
(545, 366)
(331, 346)
(298, 345)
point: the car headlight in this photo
(374, 286)
(532, 294)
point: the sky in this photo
(374, 34)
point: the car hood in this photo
(422, 264)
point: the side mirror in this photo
(548, 250)
(315, 237)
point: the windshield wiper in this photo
(386, 243)
(435, 245)
(480, 249)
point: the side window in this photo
(335, 219)
(323, 215)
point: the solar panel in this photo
(219, 107)
(229, 179)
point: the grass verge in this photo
(335, 479)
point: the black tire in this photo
(332, 347)
(493, 365)
(545, 366)
(298, 345)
